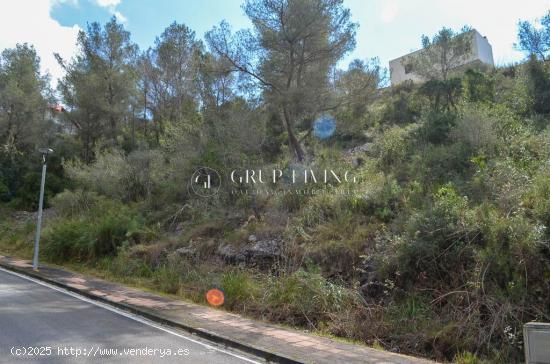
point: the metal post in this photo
(39, 222)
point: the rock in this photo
(369, 136)
(186, 251)
(230, 255)
(372, 289)
(367, 272)
(370, 285)
(364, 148)
(26, 216)
(179, 229)
(257, 253)
(263, 253)
(357, 161)
(366, 277)
(251, 219)
(226, 250)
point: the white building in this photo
(481, 54)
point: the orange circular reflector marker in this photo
(215, 297)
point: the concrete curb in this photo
(151, 315)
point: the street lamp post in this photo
(45, 152)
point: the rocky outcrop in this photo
(26, 216)
(370, 286)
(230, 254)
(186, 251)
(356, 153)
(256, 253)
(364, 148)
(262, 253)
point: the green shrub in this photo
(437, 125)
(538, 85)
(20, 174)
(438, 239)
(500, 181)
(112, 230)
(4, 192)
(337, 259)
(167, 278)
(401, 106)
(75, 203)
(291, 202)
(393, 145)
(513, 250)
(539, 197)
(124, 266)
(69, 240)
(99, 233)
(478, 128)
(478, 87)
(27, 194)
(411, 313)
(320, 209)
(440, 164)
(442, 95)
(378, 197)
(304, 298)
(118, 176)
(15, 236)
(239, 288)
(466, 357)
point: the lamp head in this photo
(45, 151)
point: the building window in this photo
(408, 68)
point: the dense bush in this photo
(20, 181)
(394, 144)
(92, 235)
(74, 203)
(436, 126)
(477, 127)
(120, 176)
(538, 85)
(240, 289)
(478, 86)
(438, 241)
(441, 249)
(538, 198)
(305, 298)
(401, 106)
(442, 95)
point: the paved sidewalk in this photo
(272, 342)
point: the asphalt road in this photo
(56, 327)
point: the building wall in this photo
(484, 49)
(481, 52)
(398, 73)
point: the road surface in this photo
(44, 324)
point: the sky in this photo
(387, 28)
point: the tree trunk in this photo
(293, 142)
(133, 129)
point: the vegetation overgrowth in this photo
(443, 250)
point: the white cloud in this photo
(107, 3)
(30, 21)
(111, 6)
(392, 28)
(121, 18)
(499, 24)
(389, 11)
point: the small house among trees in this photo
(446, 53)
